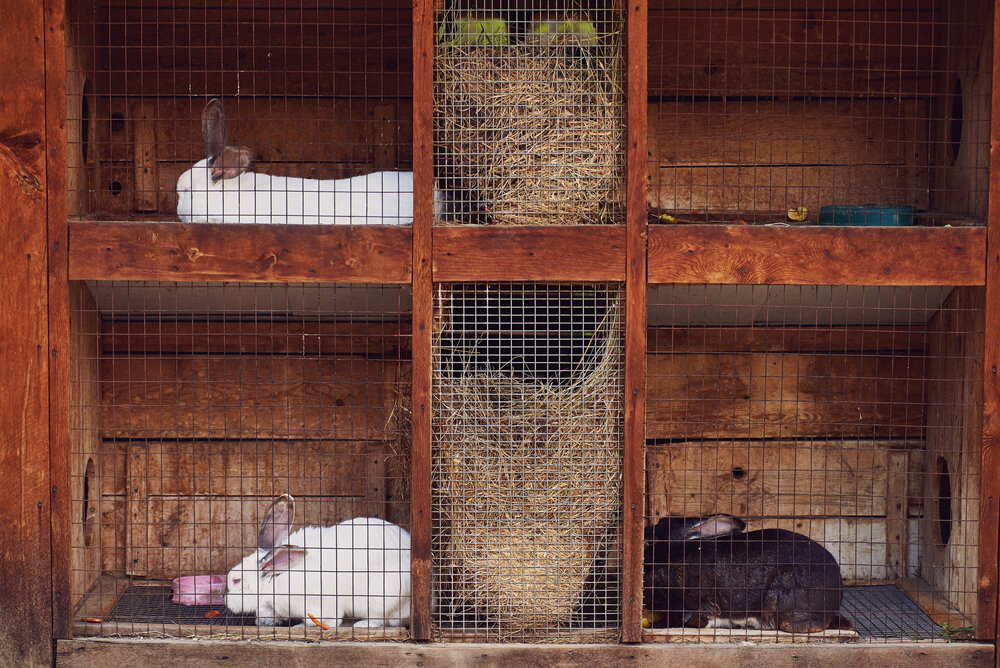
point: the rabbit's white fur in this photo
(357, 569)
(380, 198)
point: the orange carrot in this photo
(319, 623)
(212, 613)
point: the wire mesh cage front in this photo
(318, 98)
(529, 113)
(849, 416)
(526, 461)
(196, 407)
(860, 113)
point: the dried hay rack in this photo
(532, 133)
(527, 483)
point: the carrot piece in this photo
(92, 620)
(212, 613)
(319, 623)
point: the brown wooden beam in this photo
(210, 252)
(744, 254)
(558, 253)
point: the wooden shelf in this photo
(264, 253)
(806, 255)
(551, 253)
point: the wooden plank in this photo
(823, 51)
(144, 141)
(769, 478)
(552, 253)
(255, 468)
(897, 510)
(832, 340)
(100, 653)
(50, 514)
(101, 597)
(243, 397)
(278, 50)
(85, 458)
(950, 530)
(172, 536)
(268, 253)
(816, 255)
(146, 630)
(936, 606)
(26, 172)
(989, 492)
(784, 395)
(371, 340)
(423, 317)
(787, 132)
(741, 187)
(712, 635)
(633, 506)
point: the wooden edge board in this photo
(103, 652)
(261, 253)
(762, 255)
(590, 253)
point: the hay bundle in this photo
(534, 133)
(527, 485)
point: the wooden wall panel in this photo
(243, 397)
(206, 50)
(954, 442)
(769, 49)
(784, 395)
(85, 444)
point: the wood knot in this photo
(193, 254)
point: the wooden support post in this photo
(635, 321)
(144, 146)
(423, 310)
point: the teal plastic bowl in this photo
(868, 215)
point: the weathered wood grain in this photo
(552, 253)
(778, 50)
(832, 340)
(770, 478)
(423, 315)
(208, 252)
(816, 255)
(633, 497)
(371, 340)
(273, 50)
(100, 653)
(26, 167)
(784, 395)
(243, 397)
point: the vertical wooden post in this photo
(58, 315)
(635, 320)
(31, 171)
(423, 311)
(989, 495)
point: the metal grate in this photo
(526, 462)
(761, 108)
(846, 415)
(318, 98)
(529, 113)
(195, 406)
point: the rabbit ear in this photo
(231, 162)
(214, 127)
(282, 558)
(714, 526)
(277, 523)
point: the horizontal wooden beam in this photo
(98, 653)
(555, 253)
(261, 253)
(739, 254)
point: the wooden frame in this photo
(43, 253)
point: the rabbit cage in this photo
(685, 335)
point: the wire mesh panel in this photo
(526, 462)
(235, 466)
(813, 462)
(317, 95)
(761, 108)
(529, 113)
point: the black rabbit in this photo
(705, 572)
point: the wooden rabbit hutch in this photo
(625, 295)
